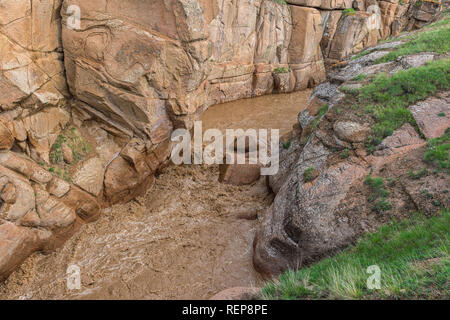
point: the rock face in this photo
(316, 215)
(37, 209)
(432, 116)
(32, 73)
(132, 71)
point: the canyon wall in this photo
(86, 112)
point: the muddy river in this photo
(189, 237)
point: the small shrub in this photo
(345, 153)
(360, 77)
(382, 206)
(281, 70)
(378, 195)
(349, 12)
(310, 174)
(286, 145)
(322, 111)
(417, 175)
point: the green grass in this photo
(445, 21)
(322, 111)
(378, 195)
(287, 145)
(79, 146)
(345, 153)
(402, 250)
(349, 12)
(362, 53)
(434, 40)
(309, 175)
(419, 174)
(360, 77)
(438, 151)
(281, 70)
(387, 98)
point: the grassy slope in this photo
(434, 38)
(387, 98)
(413, 256)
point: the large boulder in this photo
(301, 225)
(432, 116)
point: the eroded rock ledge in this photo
(90, 111)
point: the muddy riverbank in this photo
(189, 237)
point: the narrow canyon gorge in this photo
(91, 92)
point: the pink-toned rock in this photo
(351, 131)
(20, 195)
(89, 176)
(404, 137)
(8, 193)
(31, 67)
(239, 174)
(6, 137)
(67, 153)
(123, 182)
(432, 116)
(16, 244)
(307, 31)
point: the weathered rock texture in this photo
(317, 215)
(38, 210)
(96, 105)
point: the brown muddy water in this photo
(189, 237)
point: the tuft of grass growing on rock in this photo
(349, 12)
(280, 70)
(345, 153)
(287, 145)
(322, 111)
(360, 77)
(438, 151)
(310, 174)
(379, 194)
(362, 54)
(417, 175)
(79, 147)
(412, 255)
